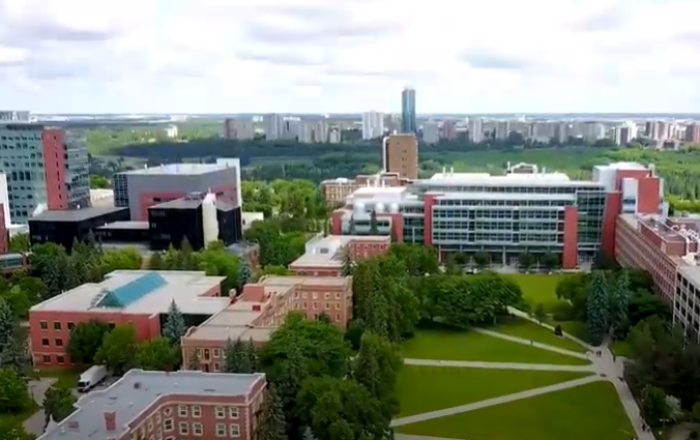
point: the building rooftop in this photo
(327, 251)
(138, 390)
(505, 196)
(141, 292)
(240, 319)
(75, 215)
(180, 169)
(624, 166)
(126, 225)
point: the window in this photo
(220, 413)
(328, 306)
(196, 411)
(60, 359)
(217, 353)
(206, 354)
(45, 342)
(46, 358)
(142, 432)
(59, 342)
(71, 325)
(150, 425)
(233, 412)
(57, 325)
(220, 430)
(315, 306)
(182, 410)
(158, 418)
(197, 429)
(327, 296)
(217, 367)
(44, 325)
(233, 430)
(168, 411)
(168, 425)
(337, 295)
(315, 295)
(184, 428)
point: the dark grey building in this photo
(140, 189)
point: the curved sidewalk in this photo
(499, 365)
(532, 343)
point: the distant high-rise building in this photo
(400, 155)
(306, 132)
(502, 129)
(431, 133)
(692, 133)
(239, 128)
(291, 128)
(625, 133)
(273, 126)
(372, 125)
(14, 116)
(408, 111)
(334, 136)
(321, 132)
(476, 130)
(591, 131)
(448, 131)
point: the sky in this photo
(329, 56)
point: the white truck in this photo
(91, 377)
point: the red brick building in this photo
(261, 308)
(137, 297)
(324, 256)
(167, 406)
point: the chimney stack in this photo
(110, 421)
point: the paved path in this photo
(499, 365)
(491, 402)
(532, 343)
(37, 388)
(398, 436)
(521, 314)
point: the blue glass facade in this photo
(408, 111)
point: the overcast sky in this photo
(349, 55)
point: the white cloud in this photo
(349, 55)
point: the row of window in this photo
(185, 428)
(314, 295)
(513, 202)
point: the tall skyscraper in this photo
(372, 125)
(408, 111)
(400, 155)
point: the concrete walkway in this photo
(521, 314)
(35, 423)
(532, 343)
(494, 401)
(500, 365)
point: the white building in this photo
(334, 137)
(239, 128)
(592, 131)
(171, 131)
(306, 133)
(372, 125)
(431, 133)
(15, 116)
(476, 130)
(291, 128)
(321, 132)
(273, 126)
(502, 129)
(625, 133)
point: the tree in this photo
(175, 327)
(373, 227)
(308, 434)
(58, 403)
(14, 396)
(122, 259)
(252, 355)
(654, 407)
(376, 367)
(158, 355)
(597, 309)
(526, 261)
(119, 350)
(482, 259)
(8, 322)
(156, 261)
(13, 353)
(85, 339)
(271, 422)
(619, 297)
(235, 357)
(19, 243)
(550, 261)
(244, 274)
(187, 257)
(348, 263)
(540, 312)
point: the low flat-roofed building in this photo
(261, 308)
(124, 232)
(324, 256)
(138, 297)
(155, 404)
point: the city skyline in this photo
(321, 56)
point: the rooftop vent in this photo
(137, 385)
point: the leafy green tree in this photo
(252, 355)
(58, 403)
(272, 269)
(550, 261)
(85, 339)
(156, 261)
(119, 350)
(376, 367)
(540, 312)
(619, 297)
(597, 309)
(308, 434)
(526, 261)
(354, 332)
(348, 263)
(175, 327)
(482, 259)
(8, 322)
(373, 227)
(271, 422)
(235, 357)
(13, 353)
(11, 430)
(122, 259)
(14, 396)
(244, 275)
(188, 259)
(654, 407)
(19, 243)
(158, 355)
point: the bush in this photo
(558, 331)
(563, 311)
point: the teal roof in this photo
(132, 291)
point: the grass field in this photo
(472, 346)
(538, 288)
(529, 330)
(587, 412)
(422, 389)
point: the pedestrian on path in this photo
(532, 342)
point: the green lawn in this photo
(473, 346)
(18, 418)
(422, 389)
(525, 329)
(587, 412)
(538, 288)
(621, 348)
(574, 328)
